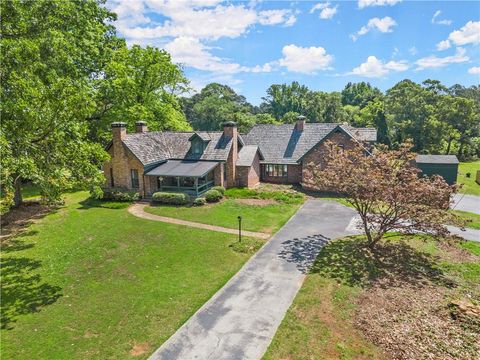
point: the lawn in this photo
(93, 281)
(396, 304)
(473, 219)
(469, 184)
(267, 217)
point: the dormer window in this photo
(198, 143)
(197, 146)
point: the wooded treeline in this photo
(66, 75)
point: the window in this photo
(197, 147)
(276, 170)
(134, 175)
(112, 183)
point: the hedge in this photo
(213, 196)
(170, 198)
(199, 202)
(220, 189)
(120, 195)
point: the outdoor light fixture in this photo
(239, 228)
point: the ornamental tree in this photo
(387, 190)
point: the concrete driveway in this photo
(240, 320)
(464, 202)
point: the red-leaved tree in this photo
(386, 189)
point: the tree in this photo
(284, 98)
(51, 50)
(386, 190)
(360, 94)
(215, 104)
(138, 84)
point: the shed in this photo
(444, 165)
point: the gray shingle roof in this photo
(436, 159)
(153, 147)
(283, 144)
(246, 155)
(183, 168)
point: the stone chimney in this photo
(299, 126)
(119, 131)
(230, 130)
(141, 127)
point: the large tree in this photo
(386, 190)
(138, 84)
(285, 98)
(213, 105)
(51, 50)
(360, 94)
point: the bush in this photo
(170, 198)
(120, 195)
(220, 189)
(199, 202)
(213, 196)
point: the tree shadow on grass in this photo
(90, 203)
(350, 262)
(22, 290)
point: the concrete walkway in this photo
(240, 320)
(464, 202)
(138, 209)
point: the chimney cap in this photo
(119, 124)
(230, 124)
(301, 118)
(141, 123)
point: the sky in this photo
(250, 45)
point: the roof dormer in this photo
(198, 143)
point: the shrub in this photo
(120, 195)
(213, 196)
(220, 189)
(170, 198)
(199, 202)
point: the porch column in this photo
(178, 183)
(196, 186)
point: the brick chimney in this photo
(299, 126)
(141, 127)
(119, 133)
(230, 130)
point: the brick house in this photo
(195, 161)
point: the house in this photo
(195, 161)
(444, 165)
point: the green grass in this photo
(282, 196)
(91, 282)
(267, 218)
(319, 323)
(30, 192)
(473, 219)
(469, 184)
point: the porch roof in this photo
(183, 168)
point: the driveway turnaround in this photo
(240, 320)
(464, 202)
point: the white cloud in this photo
(383, 25)
(432, 62)
(440, 22)
(326, 11)
(468, 34)
(305, 60)
(366, 3)
(413, 50)
(443, 45)
(474, 70)
(275, 17)
(374, 68)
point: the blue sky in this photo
(323, 44)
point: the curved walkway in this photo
(138, 210)
(240, 320)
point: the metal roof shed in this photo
(444, 165)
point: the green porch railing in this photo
(194, 190)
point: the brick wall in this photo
(249, 176)
(218, 175)
(316, 157)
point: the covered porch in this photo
(191, 177)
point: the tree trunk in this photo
(17, 198)
(449, 146)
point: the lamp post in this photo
(239, 228)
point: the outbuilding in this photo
(444, 165)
